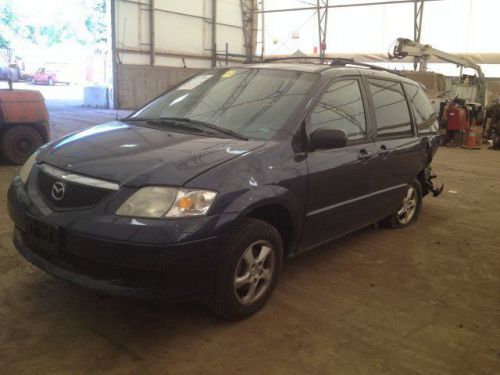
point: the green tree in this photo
(96, 22)
(86, 26)
(8, 28)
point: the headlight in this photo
(158, 202)
(25, 171)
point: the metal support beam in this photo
(152, 56)
(417, 26)
(263, 31)
(322, 9)
(418, 15)
(214, 33)
(114, 56)
(248, 10)
(341, 6)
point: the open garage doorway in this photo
(61, 48)
(57, 47)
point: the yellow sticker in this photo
(228, 74)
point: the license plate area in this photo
(43, 235)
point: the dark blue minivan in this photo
(205, 190)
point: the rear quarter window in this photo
(391, 109)
(425, 117)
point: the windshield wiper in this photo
(135, 119)
(207, 125)
(164, 121)
(188, 123)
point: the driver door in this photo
(339, 180)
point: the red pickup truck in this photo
(47, 76)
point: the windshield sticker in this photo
(228, 74)
(195, 82)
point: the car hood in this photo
(136, 155)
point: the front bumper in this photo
(184, 272)
(156, 259)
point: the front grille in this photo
(75, 195)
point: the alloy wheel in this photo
(409, 207)
(254, 272)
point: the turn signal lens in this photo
(191, 203)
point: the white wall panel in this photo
(177, 62)
(133, 58)
(229, 12)
(229, 35)
(181, 27)
(132, 25)
(176, 33)
(194, 7)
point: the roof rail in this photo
(344, 62)
(272, 59)
(332, 61)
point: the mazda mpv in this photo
(204, 191)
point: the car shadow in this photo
(61, 313)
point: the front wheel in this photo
(249, 270)
(409, 210)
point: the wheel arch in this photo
(280, 217)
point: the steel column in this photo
(114, 56)
(417, 26)
(152, 56)
(248, 10)
(214, 33)
(263, 32)
(322, 10)
(418, 15)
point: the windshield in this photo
(252, 102)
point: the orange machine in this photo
(24, 123)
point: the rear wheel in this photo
(19, 142)
(409, 210)
(249, 270)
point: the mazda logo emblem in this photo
(58, 190)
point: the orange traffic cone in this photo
(470, 143)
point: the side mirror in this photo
(328, 138)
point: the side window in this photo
(391, 108)
(425, 116)
(341, 107)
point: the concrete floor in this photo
(421, 300)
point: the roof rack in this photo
(272, 59)
(344, 62)
(333, 61)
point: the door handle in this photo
(364, 155)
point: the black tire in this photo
(396, 220)
(50, 81)
(226, 300)
(19, 142)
